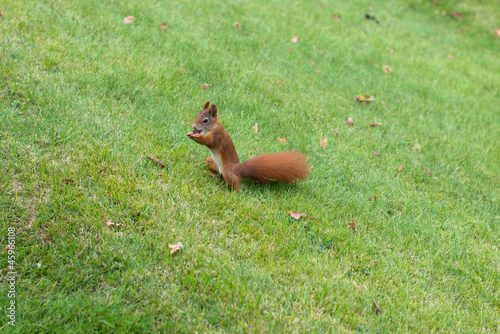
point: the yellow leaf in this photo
(129, 19)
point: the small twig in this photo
(157, 161)
(377, 308)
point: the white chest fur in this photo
(217, 159)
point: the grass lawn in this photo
(85, 98)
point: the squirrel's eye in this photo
(205, 120)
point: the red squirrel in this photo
(208, 131)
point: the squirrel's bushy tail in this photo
(287, 167)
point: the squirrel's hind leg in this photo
(210, 163)
(232, 180)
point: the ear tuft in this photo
(214, 111)
(206, 105)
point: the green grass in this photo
(85, 98)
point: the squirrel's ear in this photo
(214, 111)
(206, 105)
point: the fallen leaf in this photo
(356, 286)
(256, 128)
(365, 98)
(69, 181)
(205, 86)
(295, 39)
(109, 222)
(350, 121)
(296, 215)
(456, 14)
(129, 19)
(164, 25)
(1, 15)
(175, 248)
(377, 308)
(371, 17)
(387, 69)
(428, 171)
(336, 16)
(390, 50)
(352, 226)
(159, 162)
(324, 142)
(283, 140)
(375, 124)
(402, 167)
(377, 153)
(237, 25)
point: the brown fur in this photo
(287, 167)
(208, 131)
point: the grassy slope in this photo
(85, 97)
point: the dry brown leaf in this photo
(1, 15)
(356, 285)
(365, 98)
(256, 128)
(352, 226)
(375, 124)
(237, 25)
(175, 248)
(387, 69)
(109, 222)
(377, 153)
(402, 167)
(159, 162)
(205, 86)
(129, 19)
(69, 181)
(296, 215)
(295, 39)
(164, 25)
(336, 16)
(456, 14)
(324, 142)
(350, 121)
(377, 308)
(390, 50)
(283, 140)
